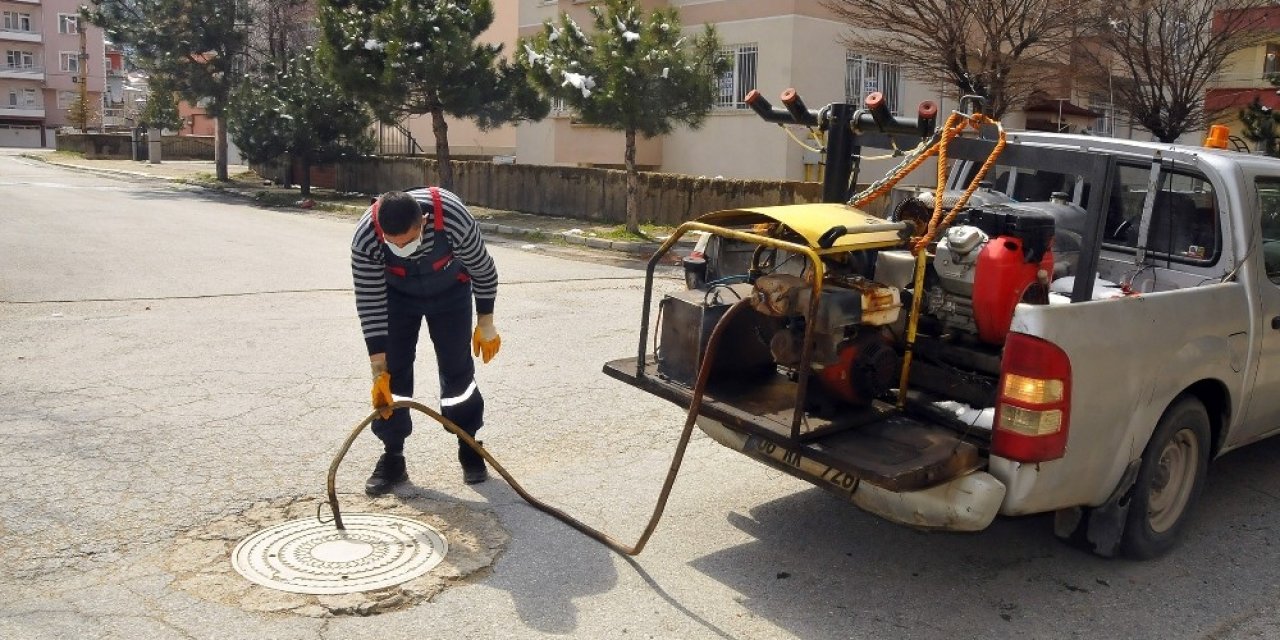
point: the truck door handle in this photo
(1275, 322)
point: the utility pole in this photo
(82, 112)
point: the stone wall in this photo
(118, 146)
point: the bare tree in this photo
(991, 48)
(282, 29)
(1166, 53)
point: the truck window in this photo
(1128, 192)
(1269, 216)
(1184, 223)
(1184, 220)
(1029, 185)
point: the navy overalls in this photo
(434, 286)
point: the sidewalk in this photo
(244, 183)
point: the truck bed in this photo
(879, 445)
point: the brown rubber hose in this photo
(695, 405)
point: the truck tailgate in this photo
(881, 446)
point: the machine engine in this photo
(853, 358)
(995, 257)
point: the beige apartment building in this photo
(41, 68)
(772, 45)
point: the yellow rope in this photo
(937, 223)
(798, 140)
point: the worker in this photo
(408, 265)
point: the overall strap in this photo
(377, 228)
(439, 209)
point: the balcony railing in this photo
(19, 35)
(19, 72)
(22, 111)
(114, 118)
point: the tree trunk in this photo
(443, 162)
(306, 176)
(286, 174)
(633, 179)
(220, 148)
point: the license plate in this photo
(810, 469)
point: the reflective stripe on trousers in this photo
(449, 321)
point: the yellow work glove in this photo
(381, 386)
(485, 341)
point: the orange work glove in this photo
(485, 341)
(381, 387)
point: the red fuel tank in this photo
(1000, 281)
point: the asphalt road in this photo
(169, 357)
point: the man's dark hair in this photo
(398, 213)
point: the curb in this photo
(115, 172)
(624, 246)
(591, 242)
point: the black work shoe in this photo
(389, 473)
(473, 467)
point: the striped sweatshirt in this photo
(368, 264)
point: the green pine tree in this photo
(300, 113)
(415, 57)
(82, 112)
(196, 44)
(161, 110)
(633, 73)
(1261, 124)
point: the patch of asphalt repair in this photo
(200, 558)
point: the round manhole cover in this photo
(373, 552)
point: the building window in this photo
(68, 23)
(1271, 63)
(1105, 125)
(69, 61)
(19, 59)
(22, 98)
(66, 99)
(14, 21)
(740, 79)
(864, 75)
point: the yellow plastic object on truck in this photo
(810, 221)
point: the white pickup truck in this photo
(1101, 324)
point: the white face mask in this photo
(405, 251)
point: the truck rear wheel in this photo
(1172, 474)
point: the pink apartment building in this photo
(41, 67)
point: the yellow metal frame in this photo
(808, 221)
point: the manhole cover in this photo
(373, 552)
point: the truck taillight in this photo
(1034, 407)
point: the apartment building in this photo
(774, 45)
(119, 102)
(41, 69)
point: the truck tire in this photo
(1172, 473)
